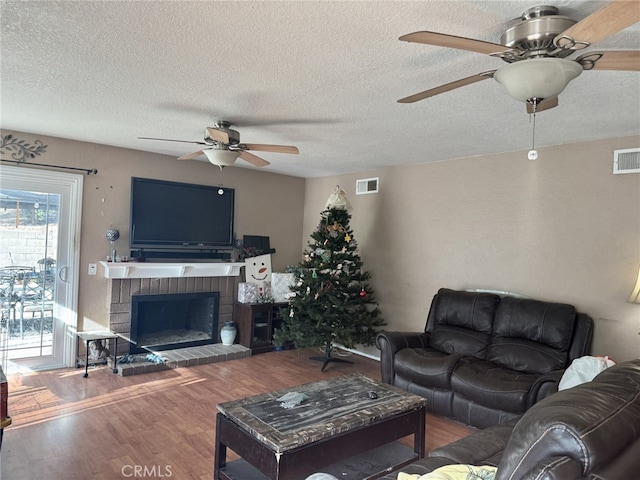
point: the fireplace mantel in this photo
(170, 270)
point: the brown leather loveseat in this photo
(483, 358)
(590, 431)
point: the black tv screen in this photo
(180, 216)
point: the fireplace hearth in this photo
(173, 320)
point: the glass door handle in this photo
(63, 276)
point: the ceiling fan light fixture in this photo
(221, 158)
(537, 78)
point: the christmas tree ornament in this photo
(113, 234)
(347, 238)
(334, 229)
(314, 274)
(291, 313)
(338, 200)
(363, 294)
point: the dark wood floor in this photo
(66, 427)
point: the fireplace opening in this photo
(171, 321)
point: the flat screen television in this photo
(180, 217)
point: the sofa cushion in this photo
(480, 448)
(591, 424)
(492, 385)
(531, 336)
(426, 366)
(461, 322)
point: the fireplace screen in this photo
(171, 321)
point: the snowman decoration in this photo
(258, 271)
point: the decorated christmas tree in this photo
(333, 303)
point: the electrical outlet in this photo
(93, 268)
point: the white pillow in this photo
(582, 370)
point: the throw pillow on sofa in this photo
(584, 369)
(454, 472)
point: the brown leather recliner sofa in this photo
(484, 359)
(591, 431)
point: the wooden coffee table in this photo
(337, 429)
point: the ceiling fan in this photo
(224, 147)
(536, 48)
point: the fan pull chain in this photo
(533, 153)
(220, 190)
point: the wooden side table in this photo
(88, 337)
(255, 323)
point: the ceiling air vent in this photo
(367, 185)
(626, 160)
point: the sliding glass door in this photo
(39, 227)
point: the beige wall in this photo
(562, 228)
(266, 204)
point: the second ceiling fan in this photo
(536, 49)
(223, 147)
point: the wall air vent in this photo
(626, 160)
(367, 185)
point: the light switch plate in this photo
(93, 269)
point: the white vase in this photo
(228, 333)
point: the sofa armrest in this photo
(389, 343)
(395, 341)
(582, 337)
(592, 423)
(544, 386)
(553, 468)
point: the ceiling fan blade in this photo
(170, 140)
(253, 159)
(449, 86)
(191, 155)
(451, 41)
(269, 148)
(218, 135)
(610, 19)
(543, 105)
(628, 60)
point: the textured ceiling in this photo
(324, 76)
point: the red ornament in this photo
(363, 293)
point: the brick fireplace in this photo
(120, 292)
